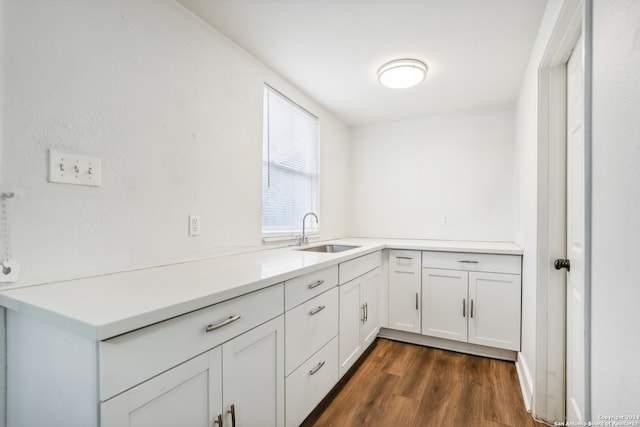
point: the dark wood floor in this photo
(400, 385)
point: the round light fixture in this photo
(402, 73)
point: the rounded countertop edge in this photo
(25, 299)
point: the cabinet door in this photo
(351, 316)
(444, 303)
(188, 395)
(404, 291)
(369, 294)
(494, 310)
(253, 376)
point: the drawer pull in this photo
(219, 420)
(317, 368)
(224, 323)
(232, 411)
(404, 257)
(317, 310)
(316, 284)
(464, 308)
(469, 262)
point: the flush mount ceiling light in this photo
(402, 73)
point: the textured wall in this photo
(616, 210)
(175, 112)
(409, 174)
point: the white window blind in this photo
(289, 165)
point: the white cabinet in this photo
(311, 347)
(310, 383)
(253, 376)
(478, 303)
(155, 375)
(359, 308)
(404, 290)
(181, 396)
(444, 302)
(199, 392)
(494, 314)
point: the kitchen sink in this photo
(329, 248)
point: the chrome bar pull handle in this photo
(232, 411)
(219, 421)
(317, 310)
(317, 368)
(366, 311)
(464, 307)
(316, 284)
(417, 308)
(362, 318)
(222, 324)
(404, 272)
(471, 309)
(404, 257)
(469, 262)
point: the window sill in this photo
(272, 238)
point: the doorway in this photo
(554, 231)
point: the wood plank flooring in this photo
(403, 385)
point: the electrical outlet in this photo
(194, 225)
(445, 220)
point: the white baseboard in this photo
(460, 347)
(526, 381)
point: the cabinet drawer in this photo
(132, 358)
(472, 262)
(309, 326)
(349, 270)
(404, 261)
(311, 382)
(303, 288)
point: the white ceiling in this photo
(476, 50)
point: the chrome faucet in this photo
(304, 239)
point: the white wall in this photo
(526, 158)
(408, 174)
(616, 208)
(175, 112)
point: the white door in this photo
(187, 395)
(445, 303)
(351, 317)
(404, 291)
(494, 310)
(253, 376)
(575, 234)
(370, 300)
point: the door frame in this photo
(549, 383)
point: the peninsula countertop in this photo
(105, 306)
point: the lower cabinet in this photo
(404, 290)
(200, 393)
(311, 382)
(474, 307)
(359, 317)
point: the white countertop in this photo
(105, 306)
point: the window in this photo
(289, 166)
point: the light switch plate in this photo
(70, 168)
